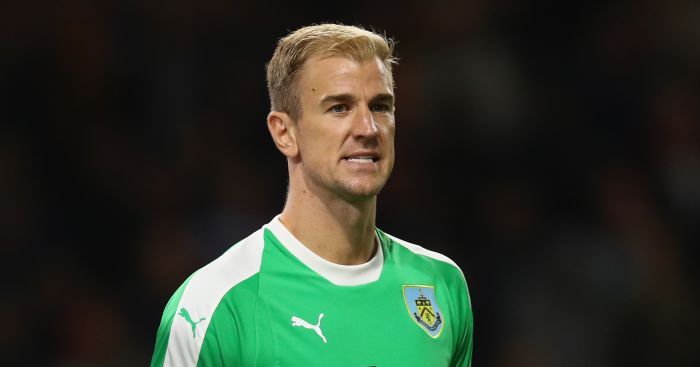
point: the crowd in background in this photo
(551, 149)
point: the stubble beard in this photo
(352, 190)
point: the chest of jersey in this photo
(382, 324)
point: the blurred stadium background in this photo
(552, 149)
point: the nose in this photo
(364, 124)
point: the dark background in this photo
(551, 149)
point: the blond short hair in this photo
(323, 40)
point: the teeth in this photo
(361, 160)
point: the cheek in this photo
(311, 142)
(390, 141)
(317, 150)
(389, 132)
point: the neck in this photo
(339, 231)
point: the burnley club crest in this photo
(423, 308)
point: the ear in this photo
(283, 131)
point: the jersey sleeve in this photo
(176, 348)
(463, 353)
(180, 347)
(205, 321)
(166, 322)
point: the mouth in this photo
(362, 158)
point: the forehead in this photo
(329, 74)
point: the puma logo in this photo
(317, 328)
(186, 315)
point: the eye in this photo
(338, 108)
(380, 107)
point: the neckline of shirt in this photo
(343, 275)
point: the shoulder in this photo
(192, 308)
(421, 251)
(421, 254)
(240, 262)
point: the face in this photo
(345, 134)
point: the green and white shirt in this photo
(270, 301)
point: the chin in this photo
(363, 190)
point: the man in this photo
(320, 285)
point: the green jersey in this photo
(270, 301)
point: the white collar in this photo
(344, 275)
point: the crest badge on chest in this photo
(423, 308)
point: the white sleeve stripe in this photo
(204, 293)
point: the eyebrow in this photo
(383, 97)
(349, 98)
